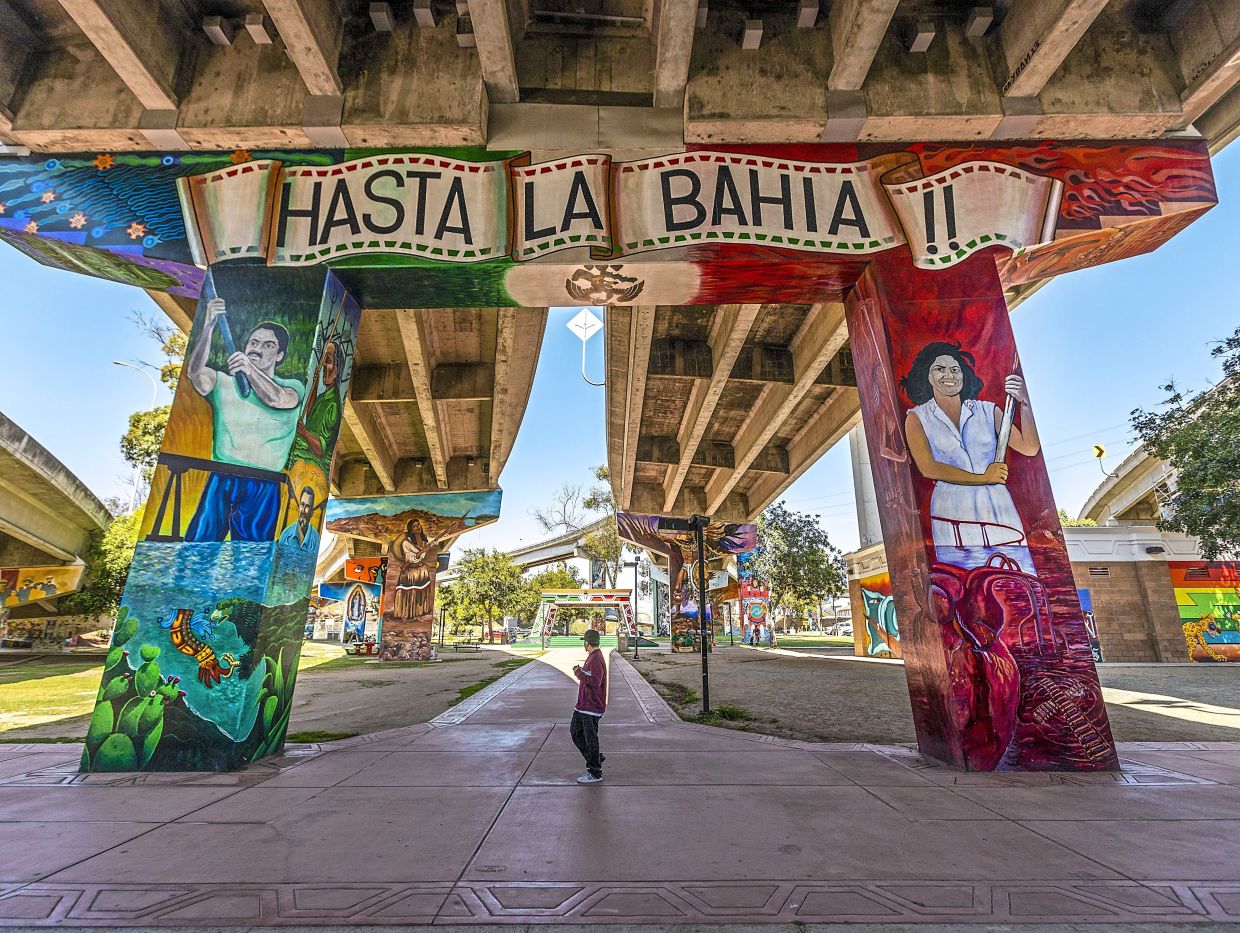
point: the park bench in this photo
(361, 647)
(464, 645)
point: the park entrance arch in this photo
(551, 601)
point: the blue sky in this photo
(1094, 345)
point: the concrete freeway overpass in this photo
(714, 409)
(47, 515)
(739, 349)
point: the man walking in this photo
(591, 704)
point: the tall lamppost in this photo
(637, 635)
(697, 524)
(137, 470)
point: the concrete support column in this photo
(204, 659)
(868, 525)
(417, 530)
(996, 653)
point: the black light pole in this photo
(442, 623)
(699, 526)
(637, 634)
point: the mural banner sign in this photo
(21, 585)
(471, 227)
(454, 211)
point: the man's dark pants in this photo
(584, 730)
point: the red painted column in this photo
(996, 654)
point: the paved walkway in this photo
(475, 817)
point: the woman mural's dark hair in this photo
(916, 384)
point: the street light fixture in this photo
(137, 470)
(697, 524)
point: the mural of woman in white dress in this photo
(954, 439)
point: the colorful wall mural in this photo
(365, 569)
(996, 651)
(926, 234)
(1091, 624)
(754, 600)
(1207, 595)
(416, 530)
(360, 607)
(721, 538)
(204, 654)
(488, 228)
(878, 635)
(21, 585)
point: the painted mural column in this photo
(720, 538)
(996, 652)
(417, 530)
(204, 655)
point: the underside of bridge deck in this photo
(225, 74)
(717, 409)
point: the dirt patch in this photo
(825, 699)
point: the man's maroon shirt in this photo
(592, 685)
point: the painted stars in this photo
(241, 155)
(104, 161)
(77, 221)
(32, 227)
(136, 230)
(47, 197)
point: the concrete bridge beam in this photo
(144, 50)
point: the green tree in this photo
(1075, 522)
(107, 568)
(141, 442)
(1198, 435)
(555, 578)
(573, 507)
(796, 560)
(488, 587)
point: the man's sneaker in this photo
(589, 778)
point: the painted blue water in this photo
(166, 577)
(976, 556)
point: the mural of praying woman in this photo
(957, 440)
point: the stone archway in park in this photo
(552, 600)
(286, 252)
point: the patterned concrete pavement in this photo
(475, 818)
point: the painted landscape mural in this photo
(204, 654)
(416, 529)
(681, 549)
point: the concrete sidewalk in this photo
(476, 818)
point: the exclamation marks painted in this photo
(949, 218)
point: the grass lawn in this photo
(51, 688)
(44, 690)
